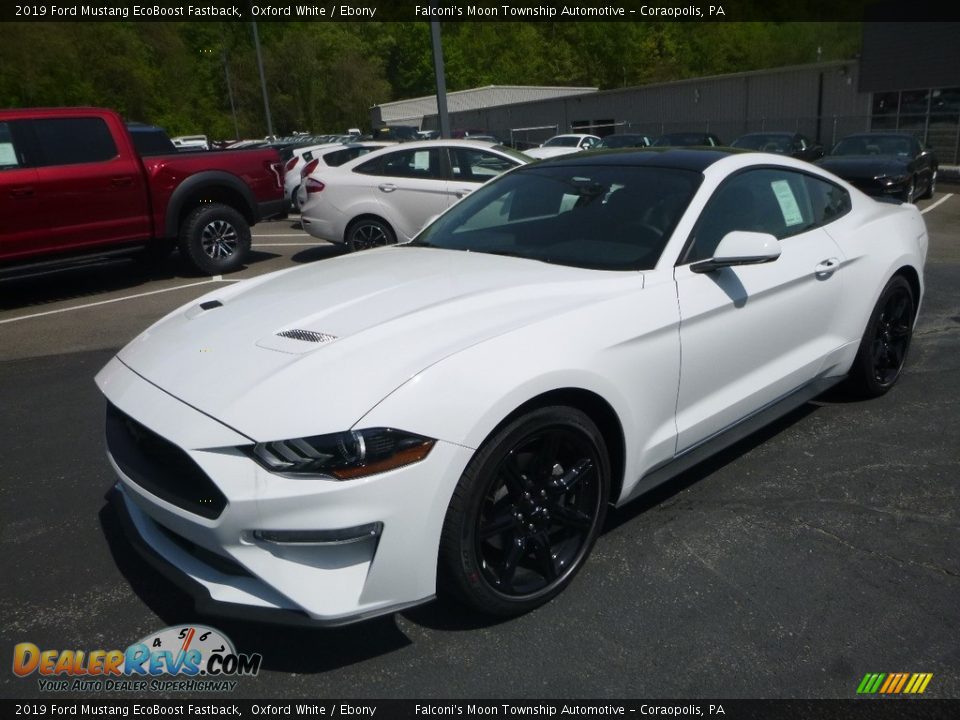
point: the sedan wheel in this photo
(909, 195)
(369, 233)
(526, 512)
(884, 346)
(931, 186)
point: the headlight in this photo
(892, 179)
(343, 455)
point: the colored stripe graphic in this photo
(894, 683)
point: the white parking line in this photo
(300, 234)
(214, 279)
(310, 244)
(939, 202)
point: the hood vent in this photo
(307, 336)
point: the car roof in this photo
(696, 159)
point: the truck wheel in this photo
(215, 239)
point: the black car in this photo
(885, 165)
(783, 143)
(687, 139)
(627, 140)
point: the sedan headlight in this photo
(344, 455)
(892, 179)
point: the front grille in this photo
(160, 467)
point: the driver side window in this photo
(767, 201)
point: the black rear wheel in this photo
(369, 232)
(215, 239)
(526, 512)
(883, 348)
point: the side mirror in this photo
(740, 248)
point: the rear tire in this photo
(215, 239)
(526, 513)
(368, 232)
(883, 348)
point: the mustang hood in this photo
(336, 337)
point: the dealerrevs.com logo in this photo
(192, 658)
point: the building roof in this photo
(412, 111)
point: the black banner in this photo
(475, 11)
(854, 709)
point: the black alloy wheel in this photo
(931, 186)
(909, 194)
(527, 512)
(367, 233)
(883, 349)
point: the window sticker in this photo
(7, 155)
(788, 203)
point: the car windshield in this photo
(873, 145)
(605, 217)
(767, 143)
(562, 141)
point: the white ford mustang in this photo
(347, 438)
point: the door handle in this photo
(387, 187)
(463, 191)
(122, 181)
(828, 266)
(21, 192)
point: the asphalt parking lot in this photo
(825, 547)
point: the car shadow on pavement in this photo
(82, 280)
(321, 252)
(284, 648)
(663, 493)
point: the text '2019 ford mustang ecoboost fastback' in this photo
(454, 414)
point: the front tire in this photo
(368, 232)
(931, 186)
(215, 239)
(883, 348)
(910, 192)
(526, 512)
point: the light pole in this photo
(441, 79)
(263, 79)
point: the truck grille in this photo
(160, 467)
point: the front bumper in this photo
(216, 556)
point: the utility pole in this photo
(233, 107)
(263, 79)
(441, 78)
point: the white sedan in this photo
(563, 145)
(350, 437)
(387, 196)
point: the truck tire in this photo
(215, 239)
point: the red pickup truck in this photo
(72, 184)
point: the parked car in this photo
(72, 183)
(793, 144)
(293, 166)
(191, 142)
(885, 164)
(563, 145)
(150, 139)
(626, 140)
(687, 139)
(317, 161)
(454, 415)
(387, 196)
